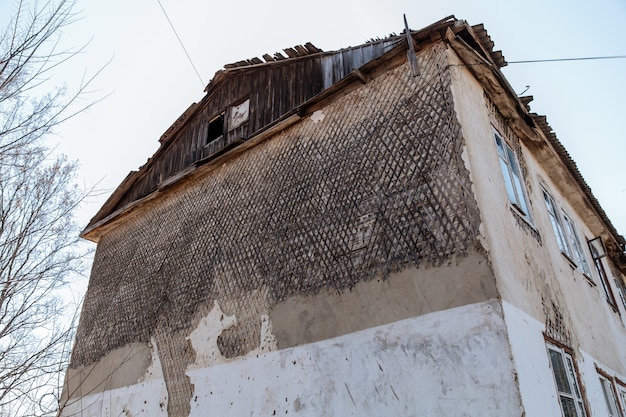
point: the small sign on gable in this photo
(239, 114)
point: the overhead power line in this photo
(589, 58)
(181, 43)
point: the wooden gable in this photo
(251, 97)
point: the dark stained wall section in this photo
(373, 187)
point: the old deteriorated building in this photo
(359, 233)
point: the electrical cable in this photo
(533, 61)
(181, 43)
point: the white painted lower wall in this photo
(536, 381)
(528, 346)
(449, 363)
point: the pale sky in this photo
(151, 82)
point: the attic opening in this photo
(216, 128)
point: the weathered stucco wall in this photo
(450, 363)
(542, 292)
(371, 188)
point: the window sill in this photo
(571, 263)
(213, 140)
(515, 208)
(590, 281)
(524, 221)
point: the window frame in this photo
(617, 393)
(572, 377)
(610, 396)
(621, 394)
(567, 236)
(512, 175)
(215, 125)
(557, 224)
(596, 256)
(576, 245)
(621, 290)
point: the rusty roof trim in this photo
(479, 62)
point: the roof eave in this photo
(534, 129)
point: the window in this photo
(609, 397)
(621, 289)
(567, 236)
(570, 397)
(511, 174)
(577, 247)
(557, 225)
(597, 253)
(216, 128)
(614, 393)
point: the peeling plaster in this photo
(268, 341)
(204, 337)
(317, 116)
(154, 371)
(454, 362)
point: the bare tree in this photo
(38, 236)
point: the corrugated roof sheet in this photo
(542, 123)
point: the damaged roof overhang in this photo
(106, 216)
(473, 46)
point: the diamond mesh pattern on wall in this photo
(376, 186)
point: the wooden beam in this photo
(291, 53)
(496, 87)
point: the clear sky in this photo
(150, 82)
